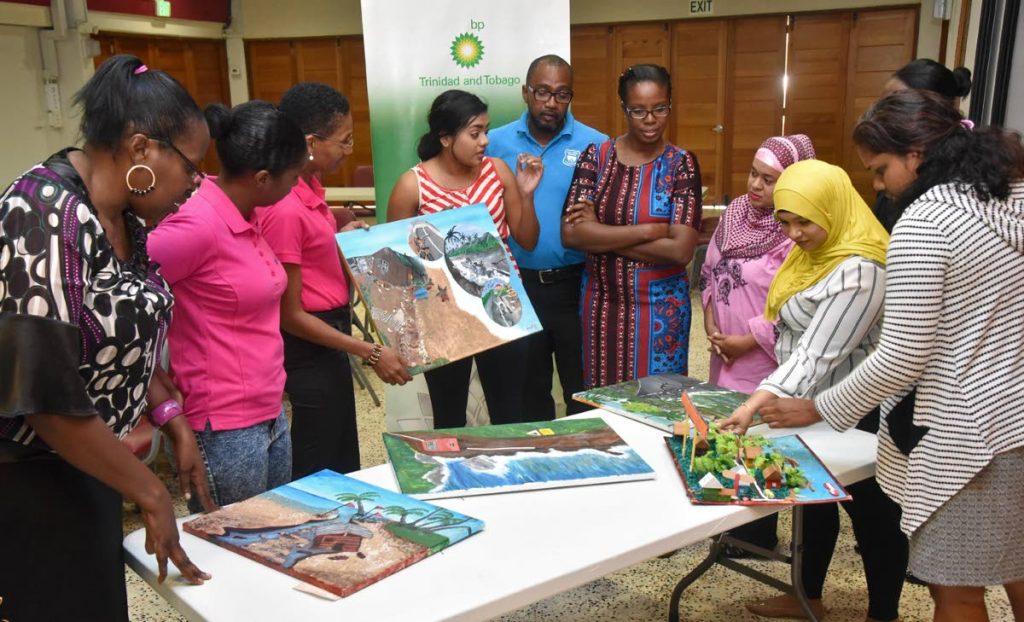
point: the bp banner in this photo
(416, 50)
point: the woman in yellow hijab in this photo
(820, 193)
(827, 300)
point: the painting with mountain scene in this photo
(439, 287)
(334, 532)
(655, 400)
(456, 462)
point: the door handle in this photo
(718, 129)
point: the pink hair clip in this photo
(967, 123)
(141, 69)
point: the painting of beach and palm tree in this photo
(455, 462)
(655, 400)
(334, 532)
(439, 287)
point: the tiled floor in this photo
(639, 593)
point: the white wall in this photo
(26, 135)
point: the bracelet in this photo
(374, 357)
(165, 412)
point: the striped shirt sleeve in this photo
(918, 259)
(849, 308)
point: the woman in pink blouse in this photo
(744, 253)
(747, 248)
(315, 318)
(227, 357)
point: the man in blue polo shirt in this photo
(551, 272)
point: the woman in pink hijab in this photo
(746, 250)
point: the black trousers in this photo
(60, 551)
(876, 528)
(557, 304)
(319, 385)
(502, 374)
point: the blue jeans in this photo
(245, 462)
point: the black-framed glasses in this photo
(348, 143)
(542, 95)
(194, 174)
(641, 113)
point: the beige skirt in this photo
(977, 537)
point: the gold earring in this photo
(140, 192)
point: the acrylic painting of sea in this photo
(455, 462)
(334, 532)
(439, 287)
(655, 400)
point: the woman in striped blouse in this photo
(454, 172)
(954, 320)
(827, 297)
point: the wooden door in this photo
(594, 76)
(817, 72)
(753, 83)
(200, 65)
(699, 54)
(275, 66)
(880, 43)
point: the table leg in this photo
(715, 556)
(797, 565)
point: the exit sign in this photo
(163, 8)
(699, 8)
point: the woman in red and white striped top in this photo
(453, 173)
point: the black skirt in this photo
(61, 556)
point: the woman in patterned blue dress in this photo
(634, 206)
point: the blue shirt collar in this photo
(523, 127)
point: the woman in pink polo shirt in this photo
(225, 343)
(314, 311)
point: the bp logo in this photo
(467, 50)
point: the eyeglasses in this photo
(348, 143)
(641, 113)
(543, 95)
(194, 174)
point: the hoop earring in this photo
(140, 192)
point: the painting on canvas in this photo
(655, 400)
(439, 287)
(431, 464)
(334, 532)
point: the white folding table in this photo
(534, 544)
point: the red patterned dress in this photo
(635, 314)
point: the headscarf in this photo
(822, 193)
(748, 231)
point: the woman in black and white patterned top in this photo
(83, 311)
(827, 299)
(954, 326)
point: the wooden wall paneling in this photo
(880, 43)
(271, 68)
(594, 76)
(816, 98)
(754, 84)
(635, 44)
(353, 69)
(698, 67)
(200, 65)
